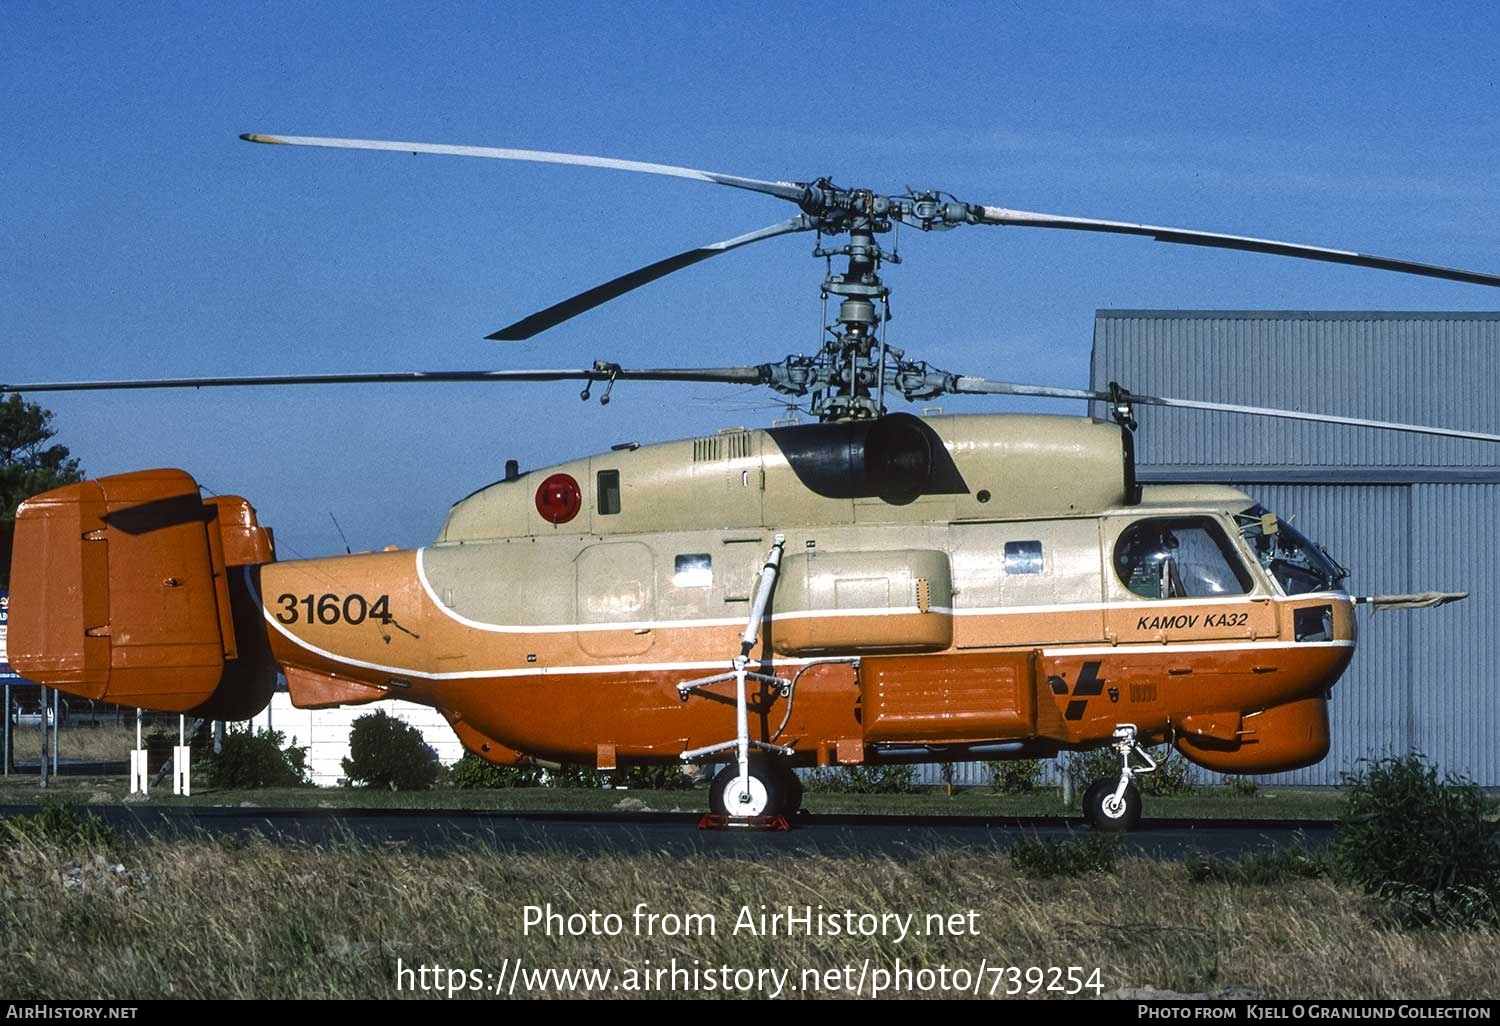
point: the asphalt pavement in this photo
(672, 833)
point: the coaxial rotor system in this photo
(854, 369)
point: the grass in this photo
(92, 743)
(108, 919)
(1207, 803)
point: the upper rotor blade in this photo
(604, 372)
(984, 386)
(1187, 236)
(599, 294)
(785, 190)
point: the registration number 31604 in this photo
(330, 609)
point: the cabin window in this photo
(1179, 557)
(1023, 557)
(607, 487)
(694, 570)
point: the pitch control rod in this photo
(741, 673)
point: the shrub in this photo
(1042, 860)
(862, 779)
(1242, 787)
(653, 778)
(474, 773)
(1422, 846)
(1086, 767)
(57, 824)
(572, 774)
(259, 759)
(1015, 776)
(1173, 775)
(1267, 867)
(387, 752)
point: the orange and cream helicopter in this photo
(877, 587)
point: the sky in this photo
(143, 239)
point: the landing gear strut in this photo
(1114, 803)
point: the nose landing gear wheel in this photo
(766, 792)
(1103, 812)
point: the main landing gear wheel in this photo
(767, 791)
(1102, 811)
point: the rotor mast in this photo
(855, 349)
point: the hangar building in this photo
(1403, 513)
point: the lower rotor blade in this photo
(1190, 237)
(604, 372)
(599, 294)
(984, 386)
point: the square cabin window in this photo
(608, 490)
(694, 570)
(1023, 557)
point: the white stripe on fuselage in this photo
(725, 664)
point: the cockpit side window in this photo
(1179, 557)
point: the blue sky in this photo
(143, 238)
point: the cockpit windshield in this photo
(1299, 564)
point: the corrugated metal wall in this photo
(1419, 368)
(1402, 513)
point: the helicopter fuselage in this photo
(988, 611)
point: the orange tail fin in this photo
(132, 589)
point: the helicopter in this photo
(877, 587)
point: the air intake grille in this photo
(735, 445)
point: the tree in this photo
(28, 465)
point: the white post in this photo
(42, 708)
(139, 778)
(182, 761)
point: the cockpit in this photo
(1299, 564)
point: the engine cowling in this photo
(134, 589)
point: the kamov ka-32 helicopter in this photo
(876, 587)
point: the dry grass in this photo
(92, 743)
(200, 919)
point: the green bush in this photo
(1425, 847)
(258, 759)
(1262, 868)
(387, 752)
(474, 773)
(1242, 787)
(1015, 776)
(862, 779)
(572, 774)
(1042, 860)
(652, 778)
(1173, 775)
(1086, 767)
(57, 824)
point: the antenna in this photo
(347, 550)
